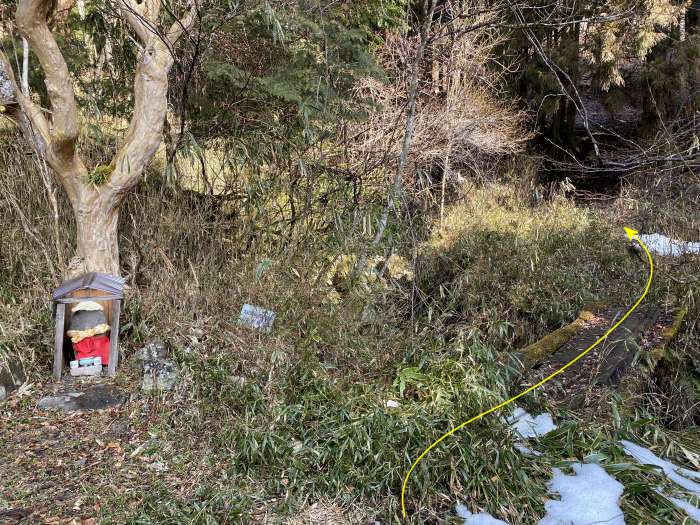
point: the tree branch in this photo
(150, 99)
(182, 26)
(31, 21)
(141, 17)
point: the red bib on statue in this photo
(95, 346)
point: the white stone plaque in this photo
(257, 318)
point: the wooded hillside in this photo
(423, 204)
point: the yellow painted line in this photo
(632, 235)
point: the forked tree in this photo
(53, 134)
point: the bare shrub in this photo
(459, 123)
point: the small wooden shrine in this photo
(107, 291)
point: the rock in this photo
(158, 374)
(12, 377)
(96, 397)
(152, 351)
(64, 402)
(119, 429)
(100, 396)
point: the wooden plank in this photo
(621, 355)
(58, 346)
(114, 339)
(71, 300)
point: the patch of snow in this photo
(482, 518)
(528, 426)
(676, 474)
(662, 245)
(680, 476)
(689, 509)
(589, 496)
(526, 450)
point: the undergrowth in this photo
(262, 426)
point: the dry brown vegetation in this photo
(460, 126)
(293, 425)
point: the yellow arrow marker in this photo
(633, 236)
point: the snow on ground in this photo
(527, 451)
(528, 426)
(589, 496)
(680, 476)
(662, 245)
(689, 509)
(477, 519)
(676, 474)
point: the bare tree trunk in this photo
(445, 175)
(51, 193)
(97, 243)
(681, 28)
(410, 119)
(172, 138)
(105, 58)
(25, 67)
(395, 189)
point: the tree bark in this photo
(97, 244)
(25, 67)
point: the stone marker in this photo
(257, 318)
(12, 377)
(158, 374)
(152, 351)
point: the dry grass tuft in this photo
(320, 513)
